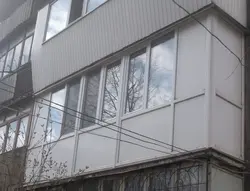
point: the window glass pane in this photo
(26, 50)
(111, 92)
(2, 60)
(16, 59)
(76, 10)
(22, 132)
(91, 99)
(58, 17)
(8, 62)
(56, 115)
(92, 4)
(161, 74)
(188, 179)
(135, 88)
(72, 103)
(11, 136)
(2, 138)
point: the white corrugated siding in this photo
(111, 27)
(20, 15)
(236, 8)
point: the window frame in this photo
(20, 65)
(7, 123)
(148, 47)
(68, 23)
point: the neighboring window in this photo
(21, 137)
(17, 56)
(2, 138)
(76, 10)
(27, 50)
(91, 99)
(58, 17)
(111, 92)
(11, 135)
(2, 61)
(8, 63)
(160, 88)
(135, 87)
(92, 4)
(71, 107)
(56, 115)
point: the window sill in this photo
(144, 111)
(71, 24)
(106, 124)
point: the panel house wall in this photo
(203, 99)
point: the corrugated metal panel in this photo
(236, 8)
(7, 91)
(7, 7)
(111, 27)
(20, 15)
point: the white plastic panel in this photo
(227, 73)
(96, 151)
(59, 162)
(189, 130)
(224, 181)
(33, 165)
(191, 66)
(156, 124)
(226, 130)
(39, 121)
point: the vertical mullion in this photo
(16, 133)
(171, 135)
(64, 108)
(121, 102)
(68, 16)
(146, 76)
(101, 94)
(78, 120)
(85, 6)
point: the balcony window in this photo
(21, 137)
(27, 50)
(11, 135)
(64, 12)
(8, 63)
(56, 115)
(71, 107)
(18, 55)
(111, 92)
(93, 4)
(58, 17)
(91, 99)
(62, 111)
(2, 61)
(2, 138)
(135, 89)
(161, 73)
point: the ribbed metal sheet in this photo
(7, 7)
(111, 27)
(236, 8)
(21, 14)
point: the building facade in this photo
(124, 95)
